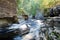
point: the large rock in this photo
(8, 11)
(7, 8)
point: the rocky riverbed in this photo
(33, 29)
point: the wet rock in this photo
(29, 36)
(7, 8)
(3, 23)
(25, 17)
(53, 21)
(8, 11)
(22, 28)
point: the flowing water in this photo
(37, 29)
(34, 26)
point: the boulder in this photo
(8, 11)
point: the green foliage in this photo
(29, 7)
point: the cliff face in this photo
(7, 8)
